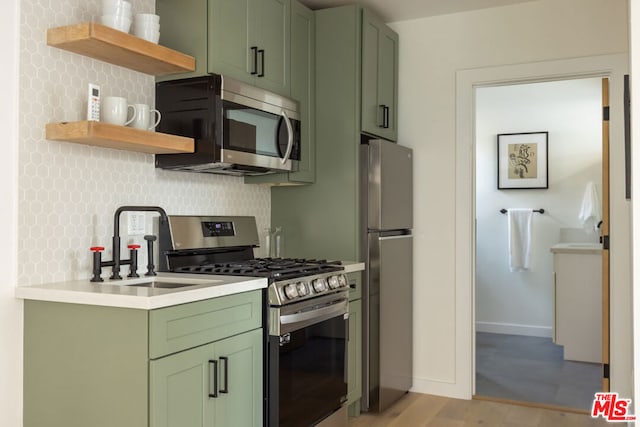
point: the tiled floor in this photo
(532, 369)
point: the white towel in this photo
(519, 239)
(590, 212)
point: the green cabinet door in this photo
(240, 380)
(302, 90)
(354, 385)
(274, 45)
(179, 389)
(218, 384)
(232, 32)
(248, 40)
(191, 38)
(388, 80)
(379, 78)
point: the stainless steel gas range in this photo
(306, 315)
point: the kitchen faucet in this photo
(116, 262)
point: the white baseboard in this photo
(440, 388)
(514, 329)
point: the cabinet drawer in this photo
(180, 327)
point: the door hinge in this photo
(605, 371)
(605, 114)
(605, 242)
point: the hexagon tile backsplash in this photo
(68, 192)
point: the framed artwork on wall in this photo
(523, 161)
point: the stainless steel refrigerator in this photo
(387, 244)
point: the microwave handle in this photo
(290, 139)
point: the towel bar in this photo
(541, 211)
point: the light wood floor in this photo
(422, 410)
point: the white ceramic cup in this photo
(147, 17)
(142, 119)
(116, 7)
(119, 22)
(150, 36)
(149, 31)
(115, 110)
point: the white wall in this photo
(570, 110)
(432, 50)
(10, 308)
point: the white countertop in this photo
(577, 248)
(352, 266)
(121, 293)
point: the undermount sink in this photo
(166, 282)
(163, 285)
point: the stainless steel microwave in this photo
(238, 129)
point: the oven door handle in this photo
(296, 321)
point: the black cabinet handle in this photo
(385, 123)
(261, 52)
(215, 378)
(382, 111)
(226, 374)
(254, 49)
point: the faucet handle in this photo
(97, 255)
(150, 238)
(133, 258)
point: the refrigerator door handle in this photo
(403, 236)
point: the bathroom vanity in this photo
(577, 321)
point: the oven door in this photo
(308, 362)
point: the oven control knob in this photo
(320, 285)
(291, 291)
(342, 279)
(302, 289)
(334, 283)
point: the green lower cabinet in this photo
(179, 387)
(84, 366)
(88, 365)
(354, 385)
(218, 384)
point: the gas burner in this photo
(274, 268)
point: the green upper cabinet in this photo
(185, 26)
(232, 31)
(379, 78)
(273, 43)
(302, 90)
(248, 40)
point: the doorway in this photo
(517, 354)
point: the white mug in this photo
(142, 118)
(115, 110)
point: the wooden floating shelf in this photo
(119, 137)
(119, 48)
